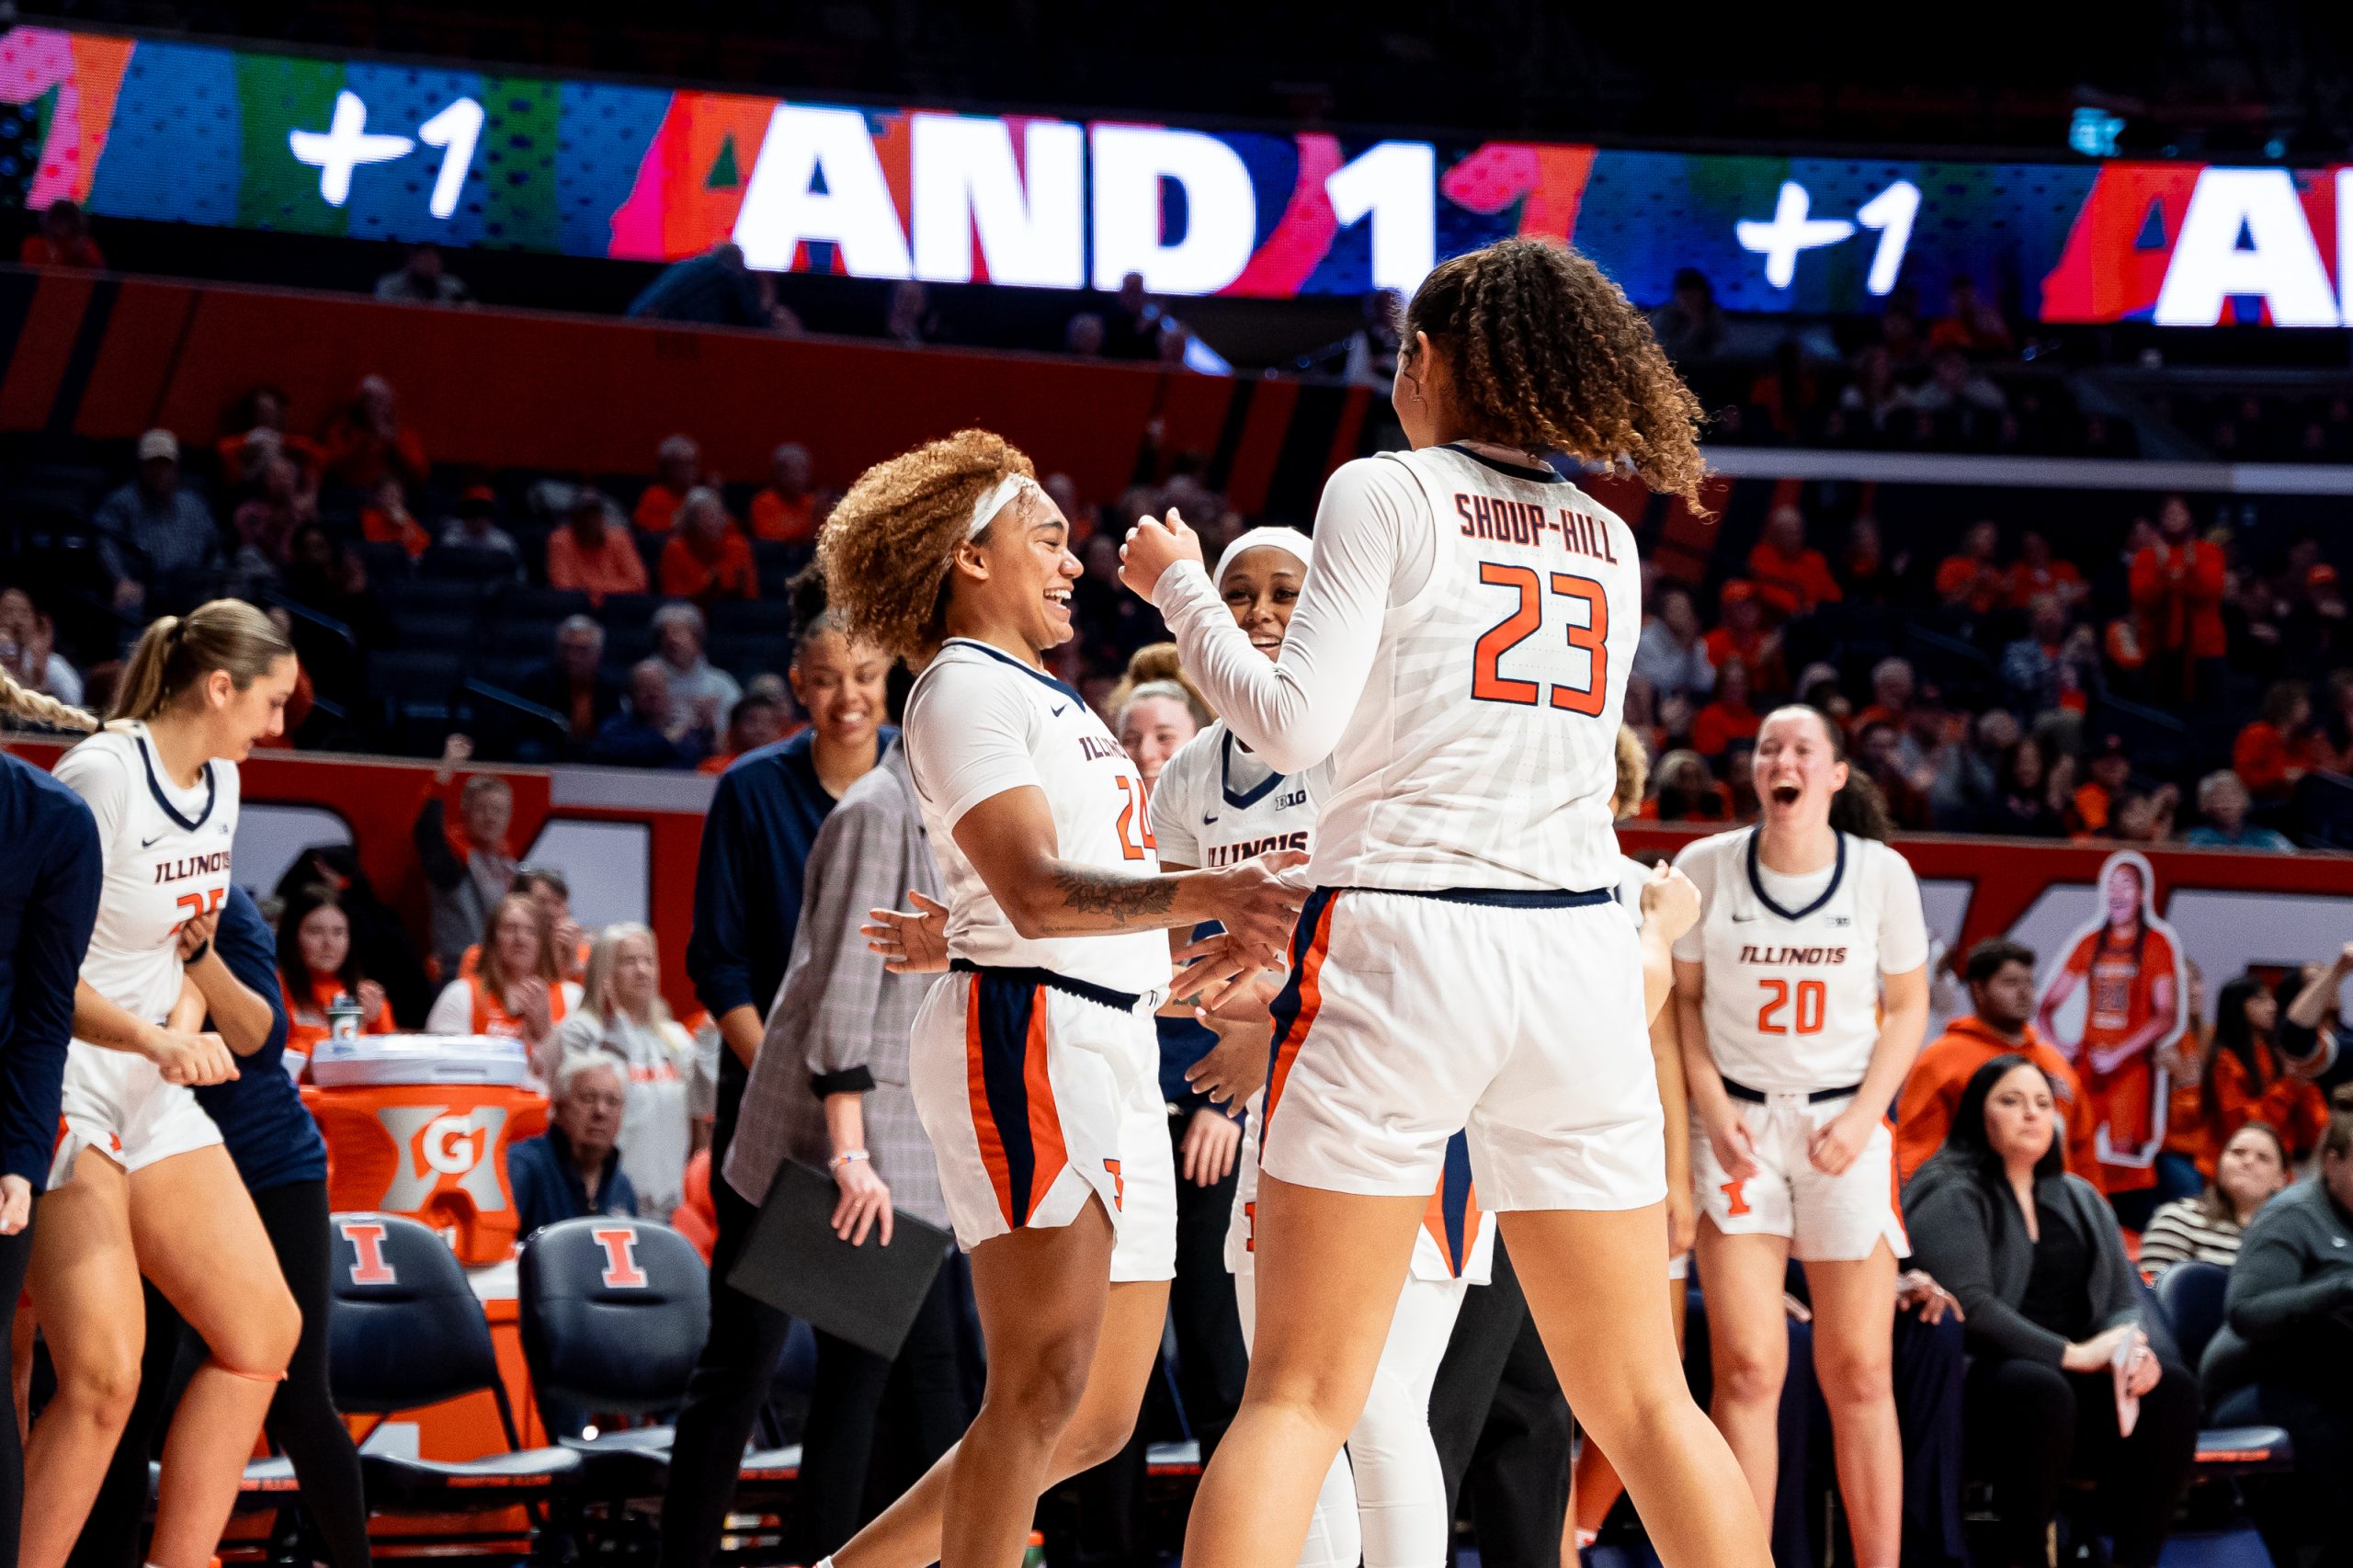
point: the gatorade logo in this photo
(621, 1272)
(452, 1144)
(442, 1148)
(368, 1266)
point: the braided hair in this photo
(39, 708)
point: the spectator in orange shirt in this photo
(1790, 578)
(2280, 746)
(2243, 1079)
(1727, 719)
(2177, 586)
(2034, 572)
(385, 520)
(366, 443)
(256, 432)
(677, 468)
(2000, 976)
(785, 512)
(1969, 580)
(706, 558)
(1894, 686)
(1740, 634)
(1975, 324)
(2094, 801)
(761, 717)
(63, 240)
(591, 554)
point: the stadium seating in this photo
(2190, 1295)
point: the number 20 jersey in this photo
(1482, 751)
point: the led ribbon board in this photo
(201, 133)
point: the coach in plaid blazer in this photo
(836, 1052)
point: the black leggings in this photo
(15, 1252)
(303, 1422)
(1502, 1427)
(2028, 1427)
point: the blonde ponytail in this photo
(15, 703)
(177, 651)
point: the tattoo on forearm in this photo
(1138, 902)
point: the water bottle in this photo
(1036, 1556)
(343, 1018)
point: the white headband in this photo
(996, 499)
(1290, 541)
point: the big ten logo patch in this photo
(441, 1149)
(368, 1265)
(621, 1270)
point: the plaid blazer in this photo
(841, 1021)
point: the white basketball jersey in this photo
(980, 722)
(1793, 993)
(1482, 753)
(1216, 803)
(167, 854)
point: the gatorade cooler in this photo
(419, 1125)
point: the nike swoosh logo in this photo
(151, 842)
(1209, 816)
(1744, 919)
(1062, 709)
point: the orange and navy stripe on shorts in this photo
(1015, 1118)
(1302, 997)
(1452, 1218)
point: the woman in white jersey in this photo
(1801, 994)
(1034, 1066)
(1460, 652)
(142, 1183)
(1384, 1500)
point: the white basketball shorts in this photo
(117, 1103)
(1828, 1218)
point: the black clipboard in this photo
(867, 1295)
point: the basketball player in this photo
(1803, 994)
(1460, 652)
(2132, 1007)
(141, 1183)
(1034, 1066)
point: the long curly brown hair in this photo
(1547, 355)
(888, 546)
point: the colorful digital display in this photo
(199, 134)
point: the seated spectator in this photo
(2310, 1033)
(475, 527)
(573, 1171)
(1690, 325)
(2320, 629)
(1790, 577)
(379, 937)
(762, 718)
(1969, 579)
(1954, 388)
(469, 868)
(909, 317)
(2050, 1305)
(63, 240)
(2036, 571)
(2251, 1171)
(2022, 804)
(2176, 584)
(677, 469)
(2223, 803)
(385, 518)
(156, 538)
(329, 577)
(715, 288)
(2278, 746)
(1975, 324)
(318, 969)
(2050, 668)
(650, 731)
(1083, 335)
(2291, 1306)
(2243, 1079)
(1865, 574)
(2000, 1020)
(1962, 766)
(1880, 756)
(592, 554)
(1672, 654)
(622, 1018)
(1873, 395)
(255, 432)
(2092, 806)
(1683, 790)
(546, 887)
(265, 523)
(573, 682)
(1727, 719)
(1895, 690)
(518, 992)
(28, 650)
(706, 559)
(701, 695)
(423, 280)
(366, 443)
(1133, 330)
(2144, 816)
(785, 510)
(1740, 634)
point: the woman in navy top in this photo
(48, 901)
(278, 1151)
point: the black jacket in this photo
(2290, 1298)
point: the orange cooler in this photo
(419, 1125)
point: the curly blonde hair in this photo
(1547, 355)
(1633, 773)
(890, 544)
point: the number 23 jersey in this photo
(1793, 963)
(167, 853)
